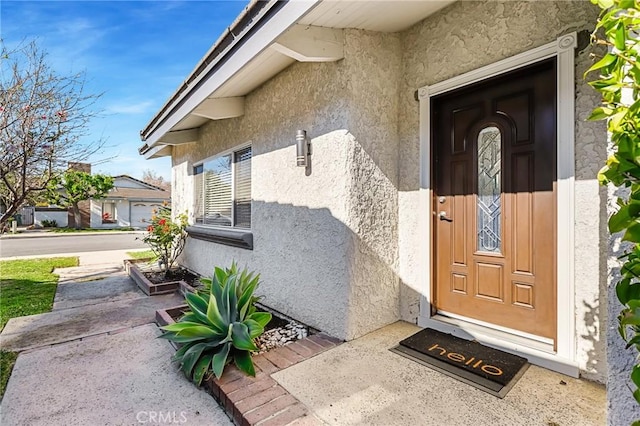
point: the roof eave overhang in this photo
(259, 37)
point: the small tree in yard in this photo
(43, 115)
(75, 186)
(165, 237)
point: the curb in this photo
(45, 234)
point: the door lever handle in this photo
(443, 216)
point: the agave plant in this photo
(220, 326)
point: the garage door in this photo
(141, 214)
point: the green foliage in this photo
(165, 237)
(46, 223)
(619, 84)
(75, 186)
(7, 360)
(220, 326)
(44, 121)
(29, 286)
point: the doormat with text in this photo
(485, 368)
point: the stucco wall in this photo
(61, 217)
(121, 211)
(339, 249)
(468, 35)
(325, 244)
(373, 65)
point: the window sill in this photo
(231, 237)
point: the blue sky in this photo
(136, 53)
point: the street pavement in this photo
(48, 243)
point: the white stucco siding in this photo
(340, 249)
(298, 222)
(61, 217)
(373, 64)
(121, 214)
(464, 37)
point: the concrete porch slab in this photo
(362, 382)
(68, 324)
(72, 294)
(121, 379)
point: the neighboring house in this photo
(129, 204)
(51, 214)
(452, 176)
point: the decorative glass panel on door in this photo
(489, 189)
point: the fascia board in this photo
(287, 16)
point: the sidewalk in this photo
(96, 359)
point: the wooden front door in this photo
(494, 201)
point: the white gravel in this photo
(281, 336)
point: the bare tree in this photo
(43, 116)
(150, 176)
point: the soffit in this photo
(381, 16)
(256, 72)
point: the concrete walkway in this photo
(106, 367)
(362, 383)
(96, 360)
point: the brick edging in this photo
(260, 400)
(149, 288)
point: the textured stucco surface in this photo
(464, 37)
(325, 244)
(298, 221)
(339, 249)
(373, 66)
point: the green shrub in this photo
(165, 237)
(49, 223)
(220, 326)
(618, 81)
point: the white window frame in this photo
(564, 357)
(231, 151)
(114, 219)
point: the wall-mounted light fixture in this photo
(303, 149)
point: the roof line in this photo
(141, 181)
(226, 44)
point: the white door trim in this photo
(564, 358)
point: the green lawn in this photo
(7, 360)
(141, 254)
(27, 287)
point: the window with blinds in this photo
(223, 190)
